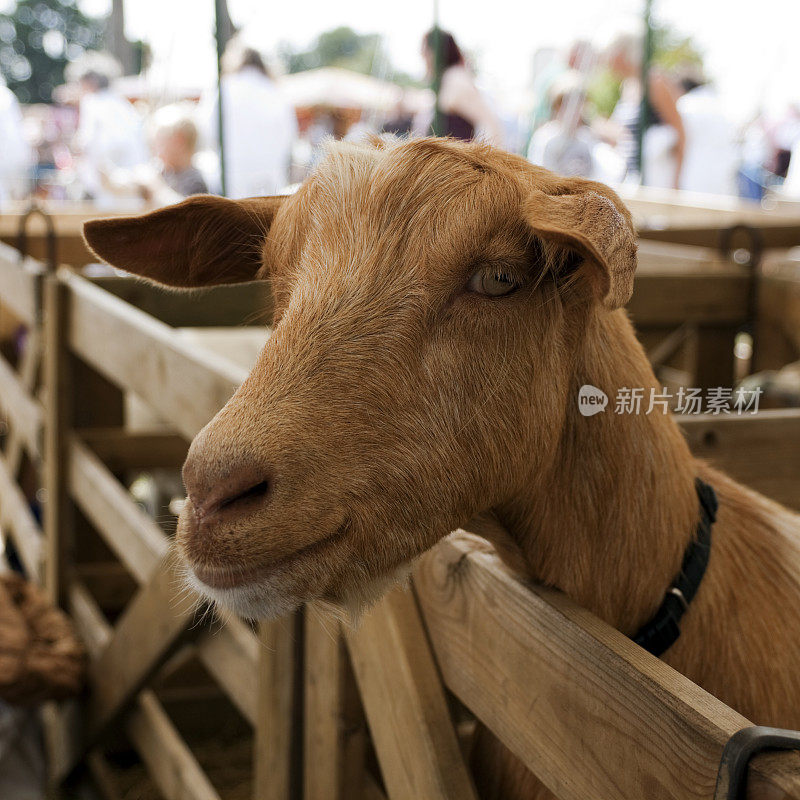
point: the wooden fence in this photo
(334, 713)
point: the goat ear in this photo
(593, 221)
(202, 241)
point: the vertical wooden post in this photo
(274, 734)
(58, 520)
(715, 359)
(334, 726)
(405, 704)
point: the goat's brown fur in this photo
(390, 406)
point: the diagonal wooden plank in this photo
(588, 711)
(185, 384)
(130, 533)
(230, 654)
(28, 380)
(144, 636)
(18, 284)
(17, 519)
(231, 657)
(170, 762)
(405, 704)
(20, 409)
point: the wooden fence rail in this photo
(552, 681)
(547, 678)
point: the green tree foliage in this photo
(343, 47)
(37, 40)
(672, 53)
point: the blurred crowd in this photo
(97, 144)
(691, 140)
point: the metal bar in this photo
(644, 108)
(220, 17)
(438, 70)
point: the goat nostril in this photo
(231, 494)
(257, 490)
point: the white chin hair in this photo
(272, 598)
(260, 600)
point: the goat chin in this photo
(264, 599)
(271, 598)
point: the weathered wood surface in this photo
(231, 657)
(240, 345)
(185, 384)
(169, 761)
(25, 437)
(19, 284)
(668, 258)
(131, 534)
(762, 450)
(17, 520)
(217, 306)
(702, 297)
(591, 714)
(120, 449)
(697, 219)
(777, 340)
(334, 728)
(229, 654)
(68, 224)
(143, 637)
(273, 753)
(405, 705)
(22, 412)
(24, 417)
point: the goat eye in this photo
(492, 284)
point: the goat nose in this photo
(239, 489)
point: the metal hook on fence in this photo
(22, 235)
(740, 748)
(755, 247)
(755, 251)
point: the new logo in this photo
(591, 400)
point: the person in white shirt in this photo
(711, 156)
(259, 126)
(16, 158)
(110, 135)
(566, 144)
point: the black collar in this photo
(661, 632)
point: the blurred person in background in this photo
(171, 175)
(566, 144)
(785, 136)
(665, 140)
(791, 186)
(752, 177)
(711, 156)
(174, 145)
(400, 121)
(16, 158)
(259, 125)
(110, 134)
(465, 112)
